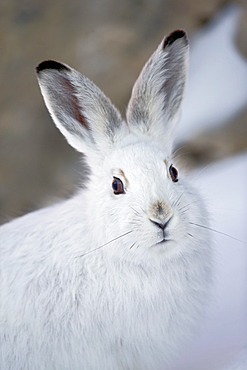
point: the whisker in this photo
(134, 222)
(95, 249)
(197, 174)
(138, 213)
(132, 245)
(187, 205)
(218, 232)
(135, 211)
(174, 156)
(183, 210)
(177, 201)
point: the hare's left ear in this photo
(80, 110)
(157, 94)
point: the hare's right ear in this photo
(80, 110)
(154, 106)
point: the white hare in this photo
(115, 277)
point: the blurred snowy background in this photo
(109, 42)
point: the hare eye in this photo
(117, 186)
(173, 173)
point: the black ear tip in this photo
(173, 36)
(51, 64)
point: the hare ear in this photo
(83, 114)
(157, 94)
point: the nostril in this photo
(161, 225)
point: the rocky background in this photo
(108, 41)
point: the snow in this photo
(216, 88)
(222, 337)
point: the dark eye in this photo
(117, 186)
(173, 173)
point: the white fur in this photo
(74, 294)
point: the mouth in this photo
(162, 246)
(164, 241)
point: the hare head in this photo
(135, 190)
